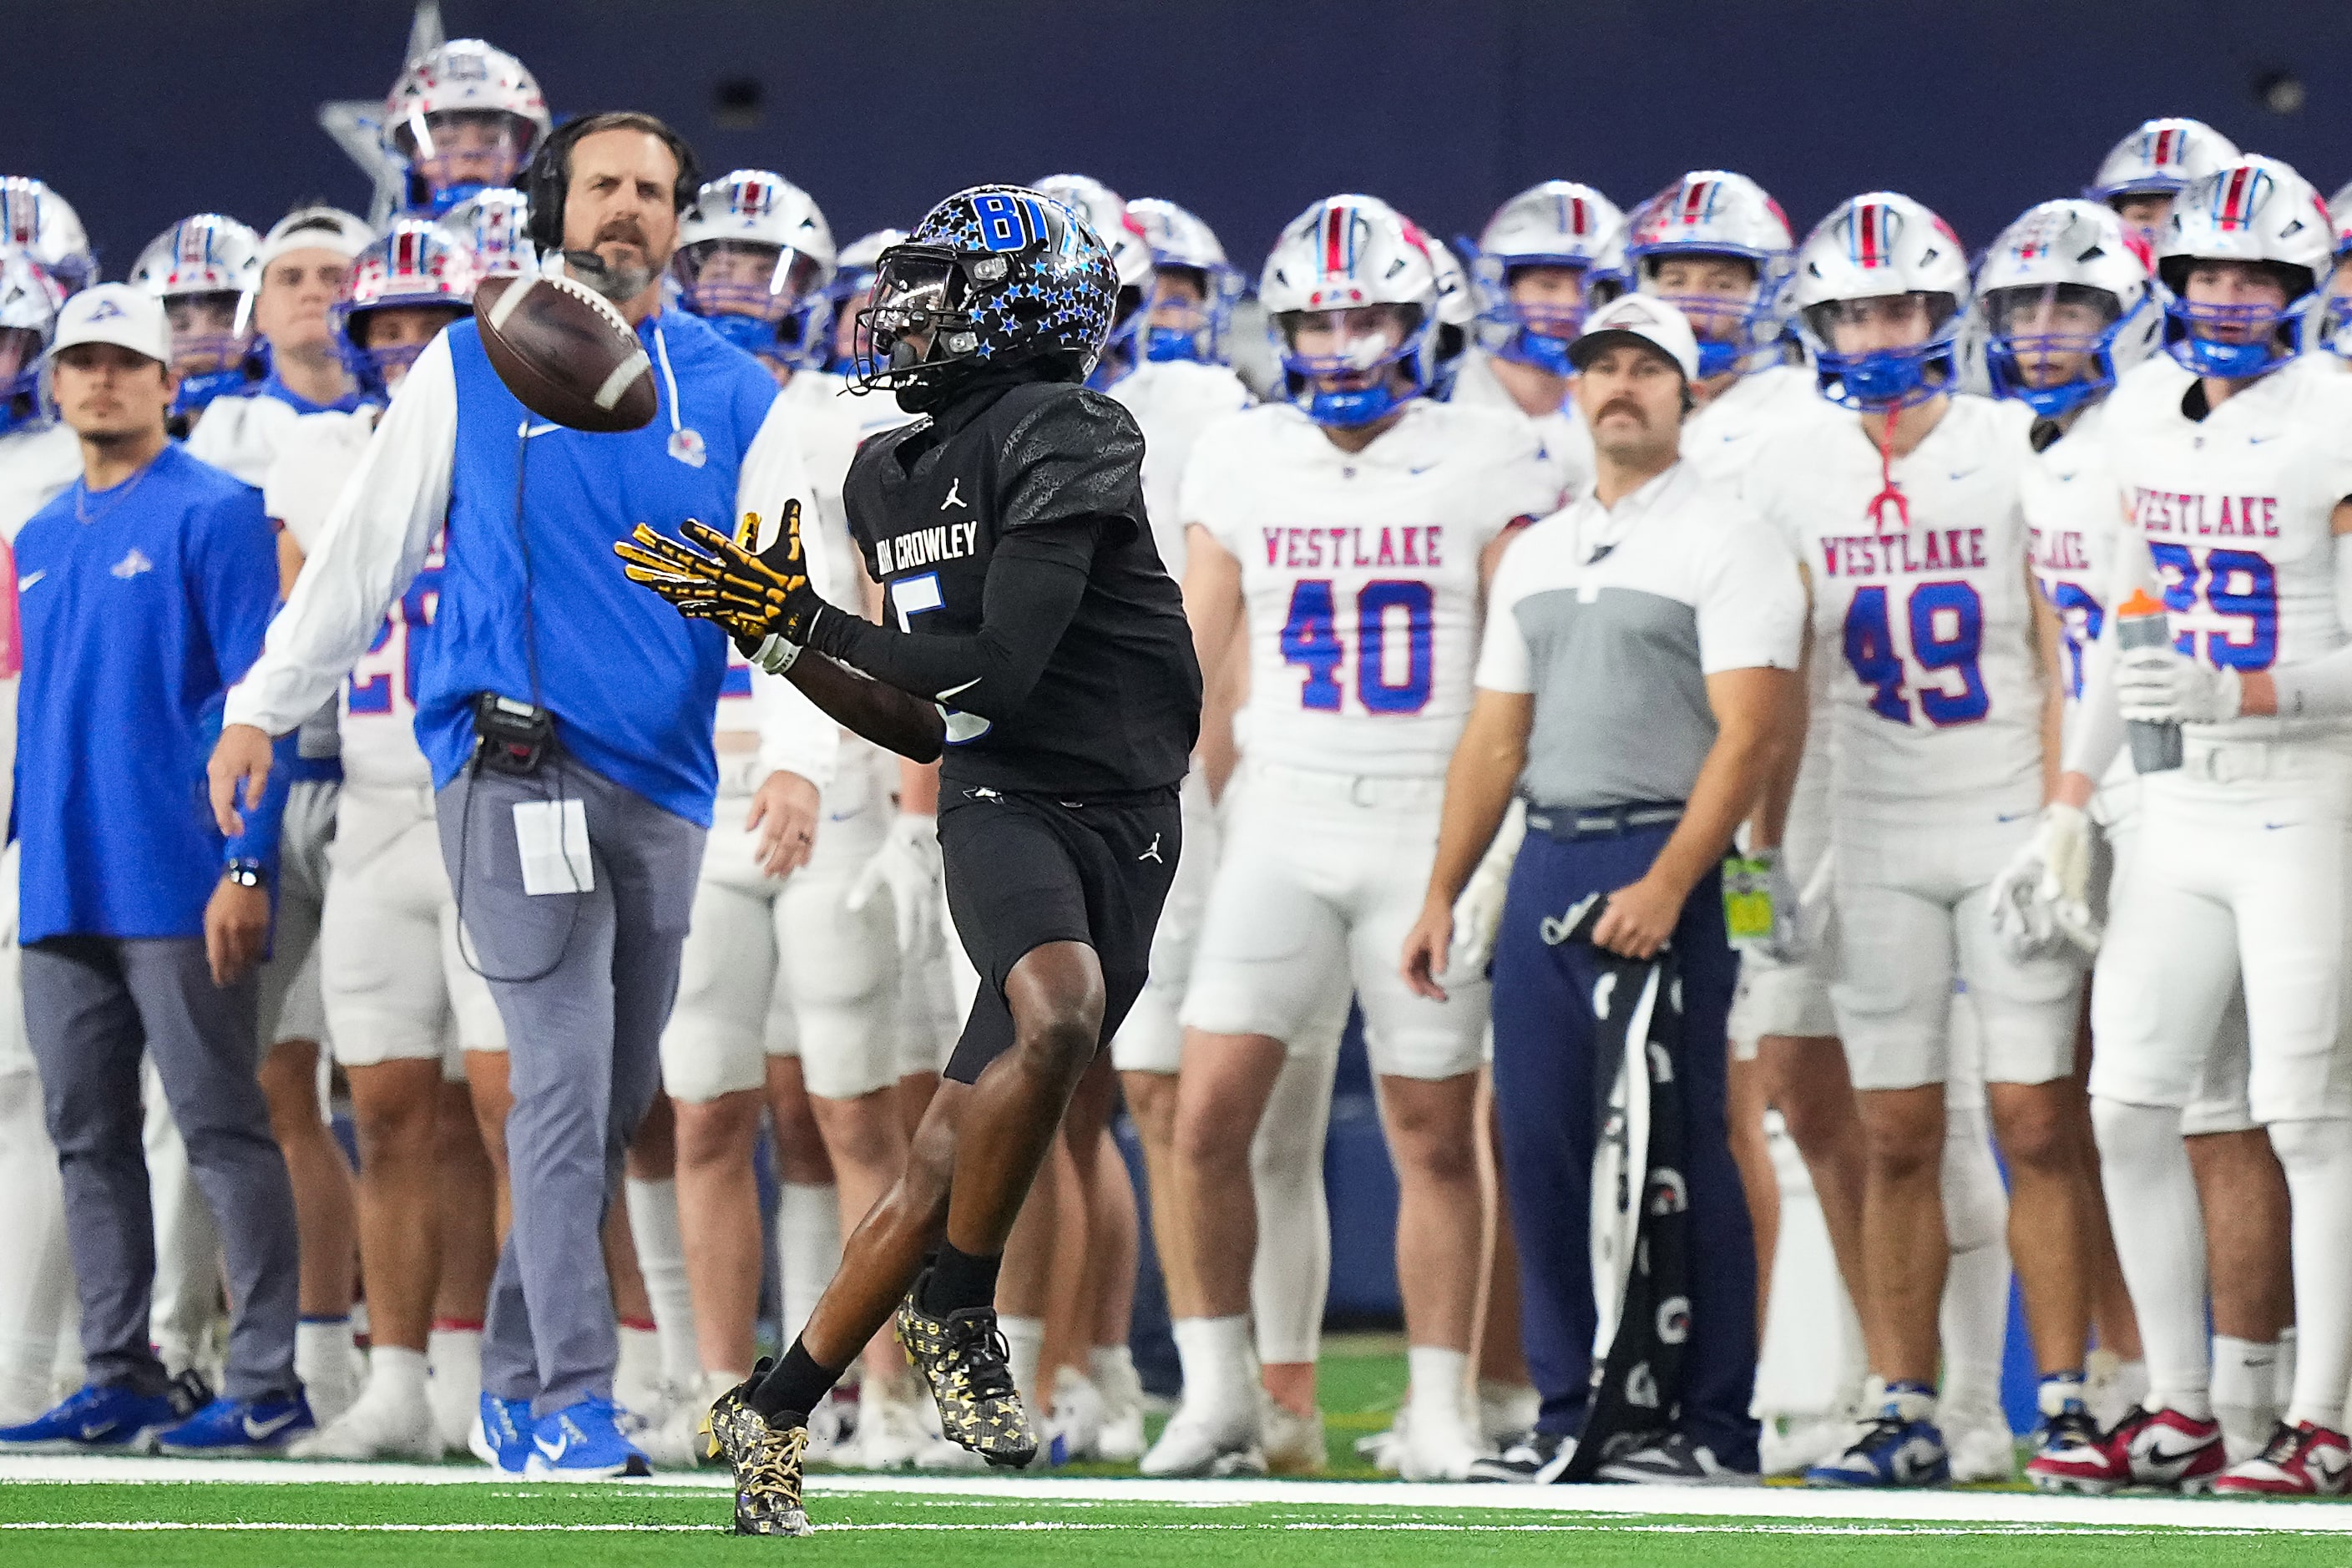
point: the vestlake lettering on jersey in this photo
(922, 546)
(1339, 547)
(2057, 549)
(2186, 511)
(1903, 553)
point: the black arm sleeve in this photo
(1036, 578)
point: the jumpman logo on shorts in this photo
(953, 499)
(1153, 852)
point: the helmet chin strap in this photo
(1890, 496)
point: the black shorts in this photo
(1026, 870)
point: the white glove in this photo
(2042, 900)
(2157, 685)
(1478, 913)
(1792, 933)
(908, 864)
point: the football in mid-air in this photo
(565, 353)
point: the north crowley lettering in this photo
(922, 546)
(1902, 555)
(1332, 548)
(2212, 517)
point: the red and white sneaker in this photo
(2303, 1460)
(2147, 1448)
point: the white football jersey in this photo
(2236, 511)
(2073, 526)
(1359, 572)
(1726, 439)
(242, 434)
(831, 424)
(1567, 442)
(1933, 683)
(35, 466)
(1174, 401)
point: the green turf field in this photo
(514, 1526)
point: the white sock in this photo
(1113, 1370)
(2245, 1390)
(1025, 1338)
(637, 1376)
(1436, 1378)
(1292, 1272)
(2317, 1158)
(2283, 1396)
(808, 1248)
(453, 1363)
(323, 1351)
(1215, 1356)
(399, 1371)
(2160, 1241)
(661, 1259)
(1974, 1316)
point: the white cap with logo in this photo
(115, 313)
(1650, 320)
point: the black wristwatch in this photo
(245, 873)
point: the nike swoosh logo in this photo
(2259, 440)
(1964, 473)
(28, 579)
(1423, 469)
(2274, 827)
(2160, 1455)
(262, 1431)
(528, 429)
(553, 1450)
(2012, 816)
(92, 1434)
(958, 690)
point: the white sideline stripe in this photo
(1626, 1505)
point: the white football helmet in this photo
(2066, 282)
(493, 223)
(2251, 209)
(847, 295)
(2339, 322)
(42, 224)
(2160, 157)
(754, 255)
(29, 301)
(1105, 212)
(1881, 246)
(464, 116)
(1715, 213)
(1557, 223)
(1334, 264)
(417, 263)
(205, 269)
(1183, 247)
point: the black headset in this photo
(549, 176)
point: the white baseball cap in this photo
(317, 227)
(115, 313)
(1642, 317)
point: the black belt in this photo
(1569, 824)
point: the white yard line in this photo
(1621, 1505)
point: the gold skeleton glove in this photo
(751, 595)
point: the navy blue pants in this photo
(1543, 1095)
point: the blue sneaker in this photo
(228, 1426)
(501, 1436)
(97, 1419)
(1892, 1450)
(583, 1442)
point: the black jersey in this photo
(1117, 706)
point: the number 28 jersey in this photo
(1926, 627)
(2237, 509)
(1359, 572)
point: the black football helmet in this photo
(996, 275)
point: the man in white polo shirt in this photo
(1638, 681)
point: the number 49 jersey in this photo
(1359, 572)
(2237, 512)
(1926, 625)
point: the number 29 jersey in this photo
(1360, 575)
(2236, 509)
(1926, 627)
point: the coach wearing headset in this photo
(568, 718)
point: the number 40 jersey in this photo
(1360, 570)
(1925, 623)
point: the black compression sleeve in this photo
(1036, 578)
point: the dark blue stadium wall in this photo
(1244, 110)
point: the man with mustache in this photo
(1636, 684)
(568, 719)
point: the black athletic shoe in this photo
(766, 1457)
(1534, 1458)
(1672, 1460)
(963, 1358)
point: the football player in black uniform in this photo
(1039, 638)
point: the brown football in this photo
(565, 351)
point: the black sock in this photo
(794, 1383)
(960, 1280)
